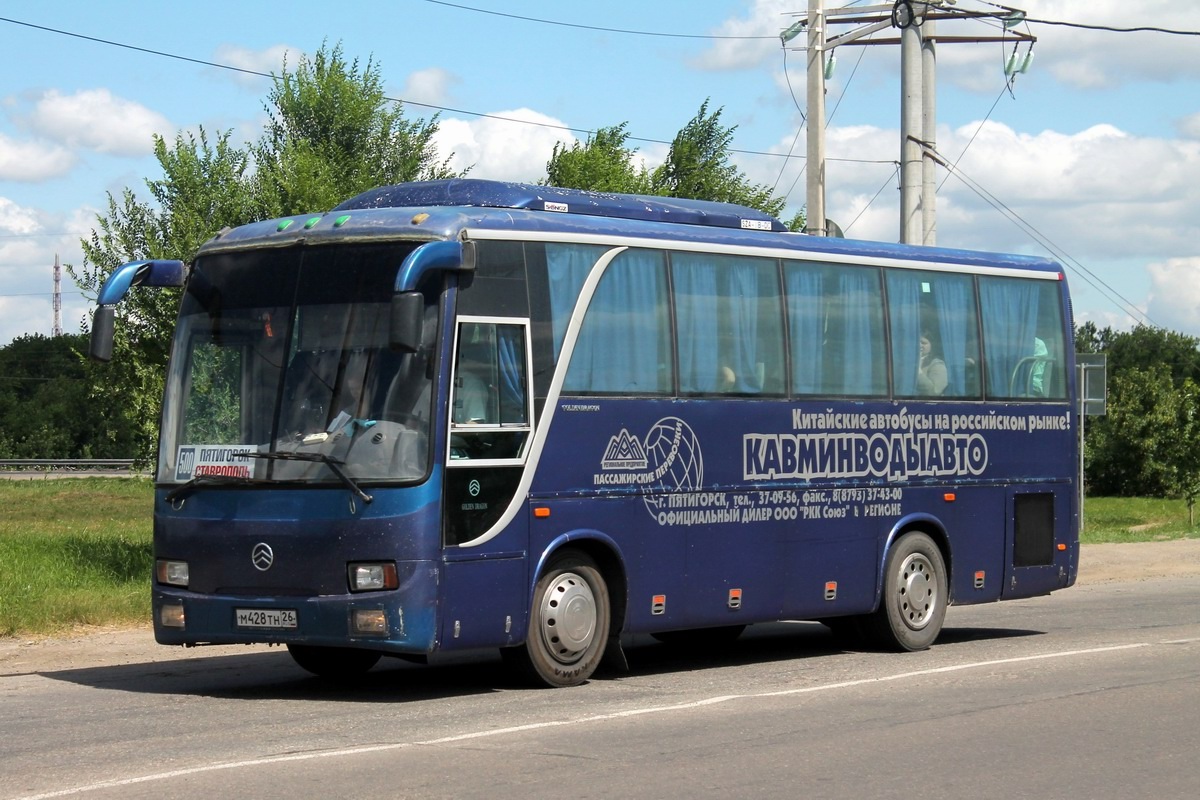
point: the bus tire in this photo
(568, 623)
(335, 663)
(915, 594)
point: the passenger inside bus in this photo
(931, 371)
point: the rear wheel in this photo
(569, 623)
(333, 662)
(914, 600)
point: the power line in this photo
(595, 27)
(481, 115)
(1111, 29)
(1096, 282)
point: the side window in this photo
(1023, 339)
(935, 335)
(835, 318)
(489, 398)
(730, 324)
(624, 346)
(567, 267)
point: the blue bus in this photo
(464, 414)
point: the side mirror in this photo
(103, 324)
(408, 317)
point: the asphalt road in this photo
(1093, 692)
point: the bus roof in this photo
(528, 197)
(445, 209)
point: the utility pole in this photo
(814, 220)
(916, 21)
(912, 130)
(929, 133)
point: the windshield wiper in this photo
(208, 480)
(334, 465)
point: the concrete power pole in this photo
(929, 135)
(912, 130)
(916, 20)
(814, 221)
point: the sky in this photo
(1092, 156)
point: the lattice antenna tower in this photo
(57, 297)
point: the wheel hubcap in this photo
(917, 595)
(568, 617)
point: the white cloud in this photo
(1106, 201)
(32, 161)
(1079, 58)
(431, 86)
(765, 18)
(268, 61)
(1189, 126)
(29, 241)
(15, 220)
(502, 146)
(1175, 294)
(98, 120)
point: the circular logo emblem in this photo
(473, 487)
(262, 556)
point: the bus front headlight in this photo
(373, 577)
(171, 573)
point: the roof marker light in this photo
(284, 225)
(311, 222)
(342, 220)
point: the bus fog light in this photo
(373, 577)
(171, 616)
(370, 621)
(171, 573)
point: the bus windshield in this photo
(283, 355)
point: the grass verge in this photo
(74, 552)
(1135, 519)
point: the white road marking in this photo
(535, 726)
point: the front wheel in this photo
(914, 600)
(336, 663)
(568, 625)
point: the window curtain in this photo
(510, 346)
(904, 311)
(861, 366)
(698, 319)
(567, 267)
(755, 342)
(624, 343)
(953, 303)
(1010, 314)
(806, 318)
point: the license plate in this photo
(284, 618)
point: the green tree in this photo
(604, 163)
(1143, 445)
(1141, 346)
(204, 187)
(698, 166)
(45, 410)
(331, 134)
(1150, 434)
